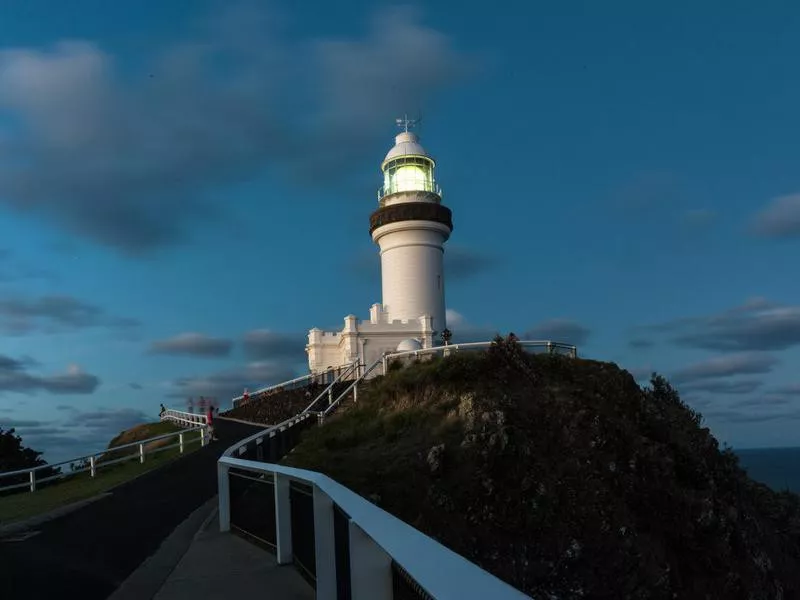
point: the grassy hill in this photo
(80, 486)
(564, 478)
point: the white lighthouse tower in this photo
(411, 226)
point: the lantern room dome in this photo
(406, 143)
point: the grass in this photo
(81, 486)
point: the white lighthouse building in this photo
(410, 226)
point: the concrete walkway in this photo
(224, 566)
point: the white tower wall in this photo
(412, 271)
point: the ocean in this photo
(779, 468)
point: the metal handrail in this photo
(184, 417)
(94, 464)
(348, 370)
(269, 388)
(375, 540)
(353, 386)
(285, 384)
(550, 345)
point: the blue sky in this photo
(185, 189)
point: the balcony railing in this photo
(422, 185)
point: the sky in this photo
(185, 190)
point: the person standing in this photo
(210, 422)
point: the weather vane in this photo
(405, 123)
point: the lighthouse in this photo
(410, 227)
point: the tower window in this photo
(438, 282)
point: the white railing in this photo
(184, 418)
(352, 387)
(93, 462)
(548, 345)
(288, 385)
(349, 370)
(376, 540)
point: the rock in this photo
(435, 457)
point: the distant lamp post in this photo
(447, 335)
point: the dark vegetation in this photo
(564, 478)
(15, 456)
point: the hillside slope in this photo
(564, 478)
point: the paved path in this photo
(222, 566)
(88, 553)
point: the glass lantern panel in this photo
(409, 178)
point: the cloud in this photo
(641, 344)
(454, 318)
(55, 313)
(745, 386)
(228, 384)
(727, 365)
(123, 156)
(780, 219)
(111, 421)
(12, 269)
(792, 389)
(647, 192)
(756, 325)
(763, 401)
(735, 416)
(192, 344)
(267, 344)
(14, 377)
(462, 262)
(699, 218)
(641, 374)
(465, 331)
(17, 423)
(135, 386)
(559, 330)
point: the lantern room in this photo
(408, 170)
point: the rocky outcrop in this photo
(565, 478)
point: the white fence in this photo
(184, 418)
(376, 541)
(324, 377)
(92, 463)
(548, 346)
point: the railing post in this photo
(141, 453)
(355, 393)
(330, 396)
(224, 492)
(370, 567)
(202, 437)
(324, 545)
(92, 466)
(385, 364)
(180, 441)
(283, 519)
(33, 481)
